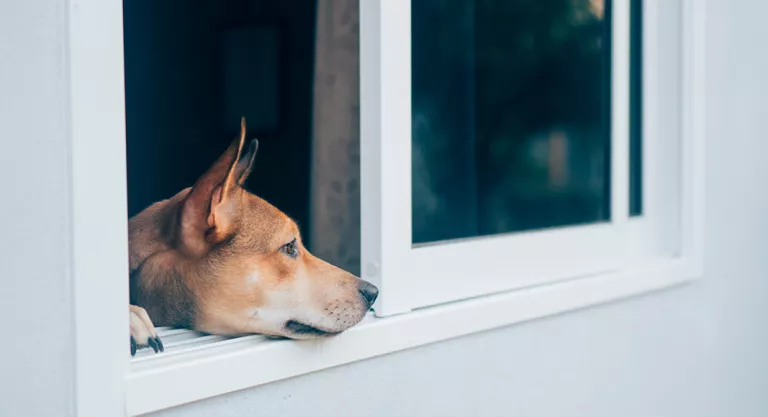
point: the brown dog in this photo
(220, 260)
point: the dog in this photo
(220, 260)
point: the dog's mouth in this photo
(305, 330)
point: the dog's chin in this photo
(298, 330)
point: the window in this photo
(510, 117)
(522, 124)
(507, 171)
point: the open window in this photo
(485, 162)
(187, 84)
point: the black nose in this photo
(368, 291)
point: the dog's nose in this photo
(368, 291)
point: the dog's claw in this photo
(160, 344)
(153, 344)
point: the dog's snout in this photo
(368, 291)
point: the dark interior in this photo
(192, 69)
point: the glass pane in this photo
(636, 108)
(511, 116)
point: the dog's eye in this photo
(290, 249)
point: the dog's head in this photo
(255, 275)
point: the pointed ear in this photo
(241, 169)
(207, 212)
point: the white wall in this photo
(697, 351)
(36, 343)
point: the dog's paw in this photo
(143, 332)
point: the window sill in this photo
(217, 366)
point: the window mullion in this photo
(620, 112)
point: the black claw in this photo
(133, 346)
(160, 344)
(151, 342)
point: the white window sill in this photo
(208, 366)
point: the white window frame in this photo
(108, 383)
(411, 276)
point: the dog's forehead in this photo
(263, 223)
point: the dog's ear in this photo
(239, 171)
(210, 208)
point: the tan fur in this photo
(214, 258)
